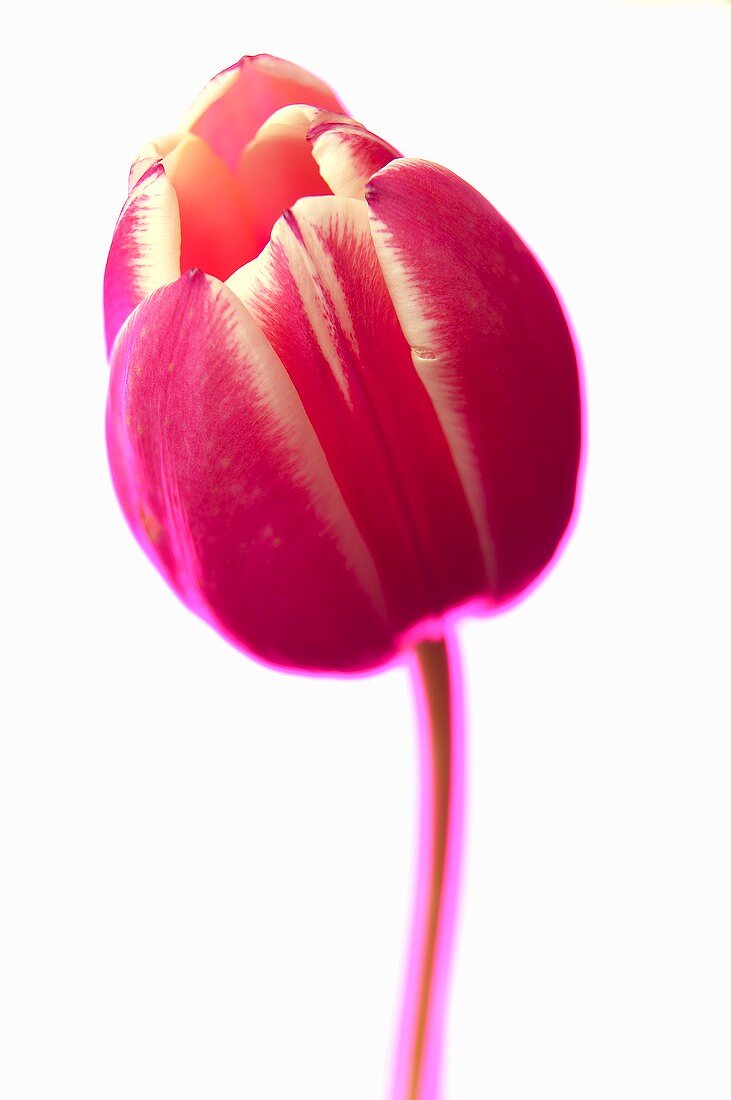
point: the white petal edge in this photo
(151, 153)
(433, 365)
(309, 464)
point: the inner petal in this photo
(215, 220)
(273, 172)
(226, 217)
(264, 85)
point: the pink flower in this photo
(344, 398)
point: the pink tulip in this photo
(357, 408)
(344, 404)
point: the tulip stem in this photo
(437, 688)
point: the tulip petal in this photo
(216, 221)
(145, 251)
(227, 489)
(494, 351)
(152, 153)
(274, 170)
(347, 154)
(234, 105)
(318, 293)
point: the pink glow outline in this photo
(430, 1078)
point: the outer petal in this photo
(275, 169)
(226, 486)
(493, 349)
(145, 251)
(319, 295)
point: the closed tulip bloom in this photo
(344, 398)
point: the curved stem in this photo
(437, 688)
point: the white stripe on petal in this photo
(347, 154)
(348, 218)
(145, 250)
(297, 242)
(309, 465)
(156, 232)
(436, 369)
(152, 153)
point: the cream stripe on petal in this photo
(243, 283)
(347, 154)
(309, 465)
(308, 261)
(298, 117)
(436, 369)
(156, 233)
(145, 250)
(151, 153)
(348, 218)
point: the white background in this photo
(206, 865)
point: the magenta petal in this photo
(227, 488)
(319, 295)
(145, 251)
(494, 351)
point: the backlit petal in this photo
(231, 109)
(274, 170)
(216, 221)
(151, 153)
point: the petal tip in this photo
(290, 220)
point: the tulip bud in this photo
(344, 398)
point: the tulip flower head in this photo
(344, 397)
